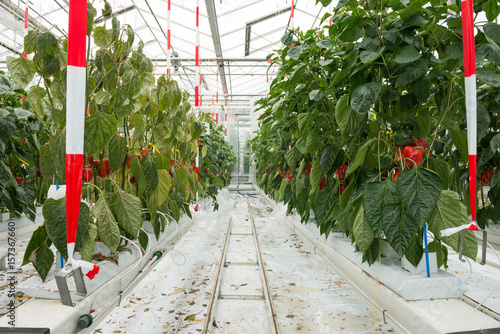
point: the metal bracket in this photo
(485, 244)
(62, 285)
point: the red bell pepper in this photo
(486, 176)
(416, 155)
(340, 172)
(342, 188)
(420, 142)
(395, 175)
(322, 184)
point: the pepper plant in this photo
(139, 133)
(380, 90)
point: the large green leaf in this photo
(448, 213)
(99, 129)
(376, 196)
(295, 52)
(44, 259)
(316, 175)
(102, 97)
(38, 238)
(362, 231)
(150, 172)
(138, 174)
(409, 75)
(407, 55)
(121, 104)
(117, 151)
(419, 190)
(415, 251)
(46, 45)
(88, 242)
(35, 100)
(328, 157)
(398, 226)
(367, 56)
(127, 208)
(163, 189)
(54, 214)
(107, 227)
(483, 120)
(174, 209)
(103, 37)
(21, 69)
(441, 168)
(347, 119)
(488, 76)
(492, 30)
(57, 148)
(459, 138)
(365, 96)
(182, 175)
(5, 174)
(360, 156)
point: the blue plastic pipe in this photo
(426, 252)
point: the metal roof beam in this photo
(113, 14)
(214, 27)
(248, 31)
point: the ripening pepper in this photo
(342, 188)
(486, 176)
(416, 155)
(420, 142)
(340, 172)
(403, 135)
(395, 176)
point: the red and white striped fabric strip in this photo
(25, 27)
(197, 160)
(75, 114)
(168, 40)
(292, 15)
(197, 56)
(470, 96)
(217, 117)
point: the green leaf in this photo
(182, 175)
(376, 196)
(365, 96)
(54, 214)
(492, 9)
(301, 145)
(325, 44)
(316, 175)
(102, 97)
(488, 76)
(120, 103)
(409, 75)
(448, 213)
(414, 252)
(38, 238)
(30, 42)
(143, 239)
(347, 119)
(407, 55)
(483, 120)
(295, 52)
(360, 156)
(495, 178)
(174, 209)
(117, 151)
(316, 95)
(495, 143)
(5, 174)
(325, 62)
(150, 172)
(163, 188)
(103, 37)
(398, 226)
(287, 38)
(459, 139)
(88, 242)
(362, 231)
(312, 142)
(302, 121)
(327, 159)
(107, 227)
(21, 69)
(492, 30)
(138, 174)
(43, 261)
(46, 45)
(367, 56)
(419, 190)
(35, 100)
(282, 189)
(99, 129)
(127, 208)
(442, 169)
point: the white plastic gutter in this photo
(423, 316)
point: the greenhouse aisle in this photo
(307, 295)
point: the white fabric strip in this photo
(470, 99)
(75, 114)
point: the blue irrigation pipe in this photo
(426, 252)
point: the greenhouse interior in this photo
(259, 166)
